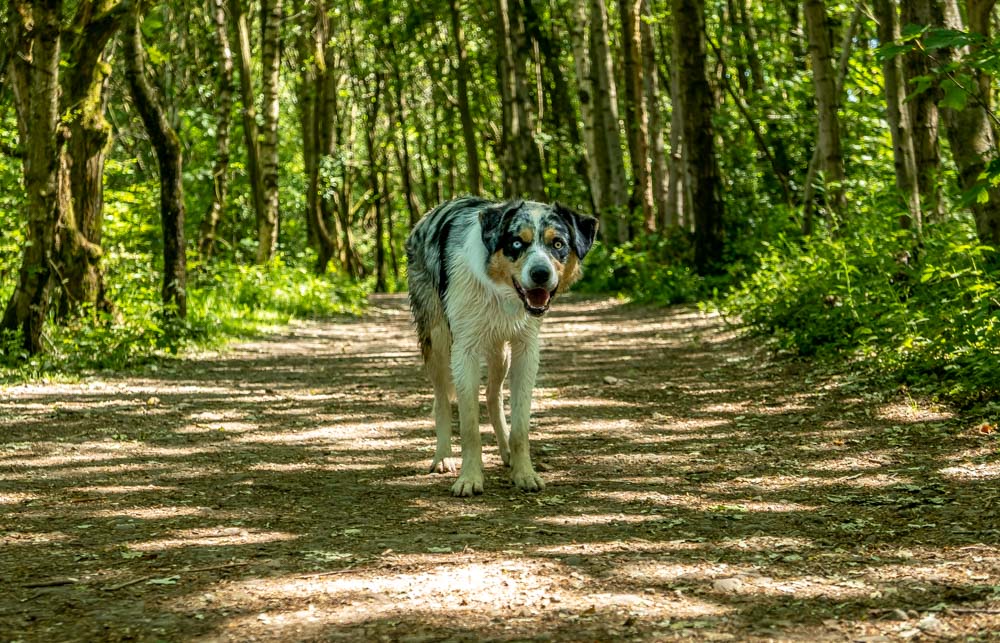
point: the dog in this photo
(481, 275)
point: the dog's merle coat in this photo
(481, 276)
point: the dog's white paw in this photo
(443, 465)
(468, 484)
(527, 480)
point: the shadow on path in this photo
(696, 488)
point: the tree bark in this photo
(473, 175)
(611, 164)
(971, 136)
(924, 116)
(34, 69)
(898, 117)
(523, 160)
(267, 225)
(169, 158)
(403, 151)
(831, 159)
(84, 80)
(657, 149)
(578, 27)
(699, 138)
(251, 135)
(636, 112)
(223, 114)
(750, 37)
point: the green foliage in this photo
(653, 270)
(928, 316)
(226, 301)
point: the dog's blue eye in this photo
(517, 245)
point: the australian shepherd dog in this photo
(482, 275)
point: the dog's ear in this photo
(493, 222)
(582, 229)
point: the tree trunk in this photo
(562, 114)
(251, 135)
(473, 175)
(898, 117)
(34, 71)
(578, 26)
(523, 164)
(651, 89)
(924, 116)
(267, 225)
(831, 159)
(970, 134)
(611, 164)
(676, 186)
(170, 160)
(636, 112)
(84, 81)
(750, 36)
(699, 138)
(223, 113)
(403, 151)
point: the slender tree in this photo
(169, 157)
(522, 156)
(697, 105)
(970, 132)
(831, 159)
(462, 73)
(651, 89)
(251, 134)
(898, 117)
(924, 115)
(609, 157)
(267, 225)
(637, 111)
(223, 116)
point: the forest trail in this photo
(696, 488)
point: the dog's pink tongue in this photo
(538, 297)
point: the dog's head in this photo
(535, 249)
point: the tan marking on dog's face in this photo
(549, 235)
(527, 235)
(569, 272)
(502, 270)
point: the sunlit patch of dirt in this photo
(696, 488)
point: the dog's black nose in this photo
(540, 275)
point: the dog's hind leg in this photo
(465, 356)
(497, 365)
(524, 368)
(439, 369)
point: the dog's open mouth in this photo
(536, 300)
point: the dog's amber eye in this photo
(558, 244)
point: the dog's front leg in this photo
(465, 371)
(524, 368)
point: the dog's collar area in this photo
(536, 311)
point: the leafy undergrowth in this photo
(925, 315)
(656, 270)
(225, 302)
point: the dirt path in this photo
(695, 489)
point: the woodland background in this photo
(176, 173)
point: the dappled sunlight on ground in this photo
(695, 488)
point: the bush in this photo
(651, 270)
(926, 315)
